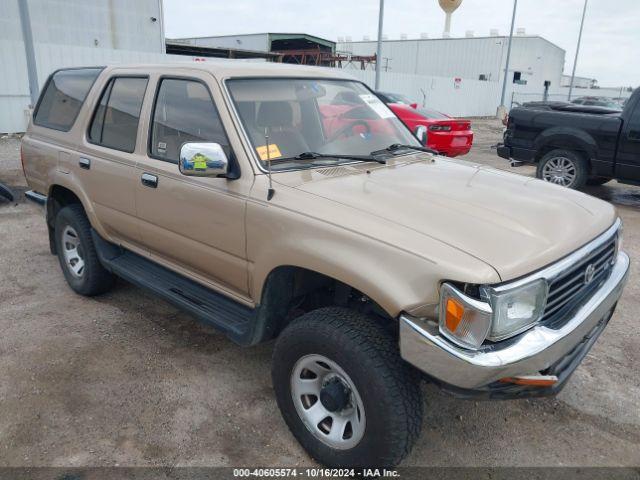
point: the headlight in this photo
(467, 321)
(516, 309)
(463, 320)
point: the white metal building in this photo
(114, 24)
(534, 59)
(71, 33)
(579, 82)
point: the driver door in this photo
(194, 225)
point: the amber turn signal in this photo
(454, 313)
(532, 380)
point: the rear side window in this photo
(63, 97)
(634, 122)
(115, 120)
(184, 112)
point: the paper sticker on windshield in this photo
(274, 152)
(376, 105)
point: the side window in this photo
(184, 112)
(634, 122)
(115, 120)
(63, 96)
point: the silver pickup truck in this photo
(289, 203)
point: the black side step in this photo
(223, 313)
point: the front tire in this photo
(563, 167)
(344, 391)
(77, 254)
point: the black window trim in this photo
(234, 171)
(96, 106)
(44, 89)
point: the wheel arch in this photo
(59, 196)
(566, 138)
(291, 290)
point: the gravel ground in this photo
(127, 379)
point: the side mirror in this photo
(203, 160)
(413, 105)
(421, 134)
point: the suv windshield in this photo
(327, 117)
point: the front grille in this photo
(570, 288)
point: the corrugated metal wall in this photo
(14, 84)
(468, 98)
(111, 24)
(468, 58)
(71, 33)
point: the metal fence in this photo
(617, 96)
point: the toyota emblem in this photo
(589, 273)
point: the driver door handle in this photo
(149, 180)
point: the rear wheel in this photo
(563, 167)
(344, 391)
(77, 254)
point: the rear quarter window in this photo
(63, 96)
(117, 115)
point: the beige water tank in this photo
(449, 6)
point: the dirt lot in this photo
(127, 379)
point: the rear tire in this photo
(77, 254)
(377, 391)
(563, 167)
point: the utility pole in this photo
(27, 37)
(501, 108)
(575, 61)
(379, 51)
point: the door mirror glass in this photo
(421, 134)
(203, 160)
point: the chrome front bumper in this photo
(422, 345)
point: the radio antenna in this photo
(271, 191)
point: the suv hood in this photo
(514, 223)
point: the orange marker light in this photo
(454, 313)
(532, 380)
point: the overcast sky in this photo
(609, 49)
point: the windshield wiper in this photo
(315, 155)
(399, 146)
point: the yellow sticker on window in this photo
(274, 152)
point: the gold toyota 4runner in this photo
(289, 203)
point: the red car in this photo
(450, 136)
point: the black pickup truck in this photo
(574, 146)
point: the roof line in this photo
(256, 33)
(456, 38)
